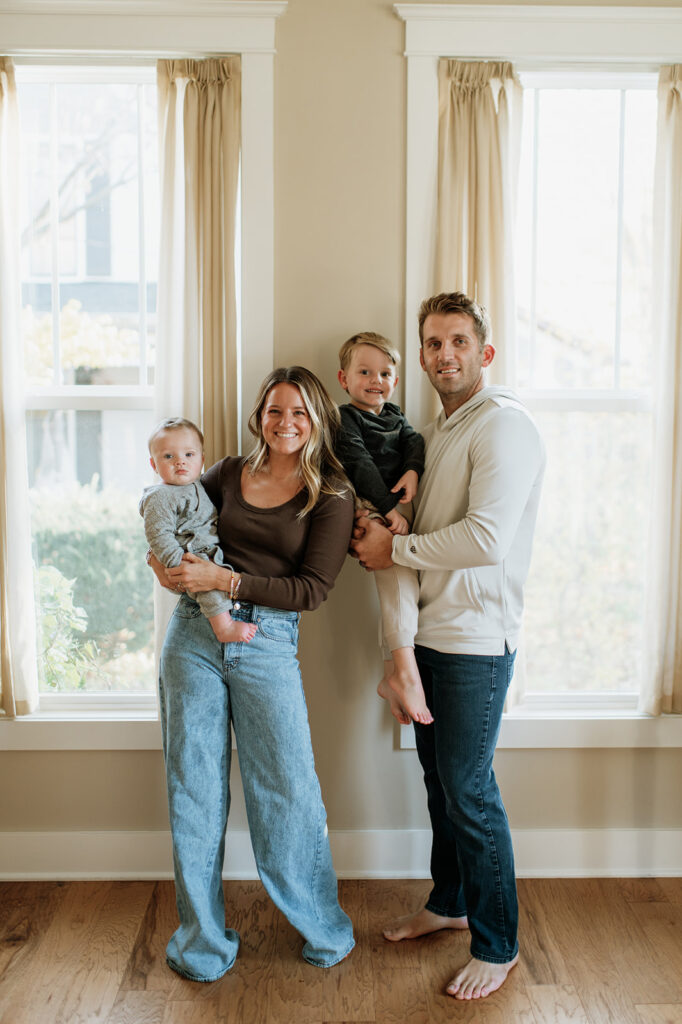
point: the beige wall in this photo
(340, 196)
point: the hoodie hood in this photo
(500, 396)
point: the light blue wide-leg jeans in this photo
(205, 685)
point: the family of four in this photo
(445, 523)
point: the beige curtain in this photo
(18, 677)
(200, 112)
(479, 137)
(196, 364)
(662, 666)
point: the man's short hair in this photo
(367, 338)
(457, 302)
(174, 423)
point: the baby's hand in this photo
(407, 483)
(397, 523)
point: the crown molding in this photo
(139, 29)
(543, 33)
(145, 8)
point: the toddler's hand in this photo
(397, 523)
(407, 483)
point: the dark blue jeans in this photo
(472, 862)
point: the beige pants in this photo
(398, 590)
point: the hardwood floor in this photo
(593, 951)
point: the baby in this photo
(384, 458)
(179, 516)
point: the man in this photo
(473, 530)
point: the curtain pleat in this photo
(661, 689)
(200, 109)
(19, 676)
(479, 136)
(196, 366)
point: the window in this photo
(585, 357)
(89, 233)
(584, 370)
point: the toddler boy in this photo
(384, 458)
(179, 516)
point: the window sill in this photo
(537, 730)
(540, 730)
(85, 730)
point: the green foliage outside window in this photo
(95, 589)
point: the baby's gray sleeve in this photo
(160, 522)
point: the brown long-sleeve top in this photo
(285, 562)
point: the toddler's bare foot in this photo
(406, 683)
(478, 979)
(397, 710)
(422, 923)
(230, 631)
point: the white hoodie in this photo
(475, 515)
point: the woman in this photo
(284, 521)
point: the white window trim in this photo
(138, 32)
(536, 39)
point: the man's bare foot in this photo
(422, 923)
(478, 979)
(397, 710)
(230, 631)
(406, 683)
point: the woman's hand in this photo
(160, 572)
(196, 574)
(408, 483)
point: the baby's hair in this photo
(174, 423)
(367, 338)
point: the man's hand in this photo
(408, 483)
(372, 543)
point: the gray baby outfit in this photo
(179, 518)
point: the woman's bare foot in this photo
(478, 979)
(422, 923)
(406, 683)
(397, 710)
(230, 631)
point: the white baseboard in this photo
(371, 853)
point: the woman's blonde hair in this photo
(321, 471)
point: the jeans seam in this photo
(484, 817)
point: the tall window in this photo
(89, 257)
(585, 357)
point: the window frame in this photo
(597, 41)
(104, 33)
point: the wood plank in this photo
(541, 960)
(387, 900)
(660, 1014)
(662, 924)
(557, 1004)
(672, 888)
(147, 970)
(28, 909)
(399, 996)
(78, 966)
(589, 962)
(204, 1012)
(645, 976)
(348, 988)
(640, 890)
(139, 1008)
(244, 993)
(296, 987)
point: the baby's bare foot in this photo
(397, 710)
(406, 683)
(477, 979)
(422, 923)
(232, 631)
